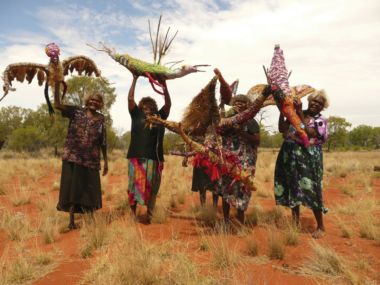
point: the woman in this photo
(242, 141)
(145, 153)
(80, 181)
(202, 182)
(299, 170)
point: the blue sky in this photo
(327, 44)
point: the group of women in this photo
(298, 173)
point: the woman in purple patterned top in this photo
(80, 189)
(299, 169)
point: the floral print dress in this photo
(234, 192)
(299, 170)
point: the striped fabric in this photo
(144, 179)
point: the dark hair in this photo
(148, 101)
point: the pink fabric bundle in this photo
(278, 74)
(52, 50)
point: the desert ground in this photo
(187, 244)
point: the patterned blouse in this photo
(319, 123)
(85, 137)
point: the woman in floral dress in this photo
(242, 141)
(299, 170)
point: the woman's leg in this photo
(319, 232)
(150, 207)
(133, 208)
(215, 198)
(226, 211)
(202, 196)
(296, 215)
(72, 224)
(240, 216)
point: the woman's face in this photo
(240, 106)
(148, 109)
(316, 105)
(94, 103)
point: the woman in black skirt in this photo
(80, 180)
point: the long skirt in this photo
(298, 176)
(201, 180)
(144, 179)
(80, 188)
(234, 193)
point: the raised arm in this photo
(168, 101)
(131, 93)
(57, 99)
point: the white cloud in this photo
(327, 44)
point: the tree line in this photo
(31, 130)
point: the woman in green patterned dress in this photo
(299, 170)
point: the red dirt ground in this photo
(71, 266)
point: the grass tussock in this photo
(160, 214)
(16, 225)
(25, 267)
(51, 221)
(251, 247)
(276, 246)
(223, 256)
(95, 234)
(368, 229)
(254, 215)
(21, 196)
(207, 215)
(326, 263)
(346, 231)
(291, 234)
(132, 260)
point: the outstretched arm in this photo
(168, 101)
(131, 93)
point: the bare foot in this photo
(319, 233)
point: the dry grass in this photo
(367, 228)
(95, 233)
(160, 214)
(207, 215)
(131, 260)
(16, 225)
(25, 266)
(254, 215)
(21, 196)
(51, 221)
(326, 263)
(251, 247)
(291, 234)
(224, 256)
(276, 246)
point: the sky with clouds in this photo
(328, 44)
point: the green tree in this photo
(11, 118)
(338, 132)
(79, 86)
(26, 138)
(376, 137)
(361, 136)
(171, 142)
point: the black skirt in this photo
(80, 188)
(201, 180)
